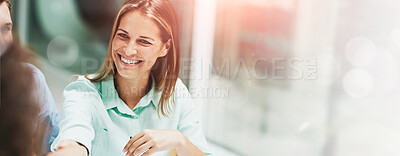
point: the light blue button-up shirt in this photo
(94, 115)
(48, 111)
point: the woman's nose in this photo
(131, 49)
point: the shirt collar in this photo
(112, 100)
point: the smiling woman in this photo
(157, 20)
(130, 106)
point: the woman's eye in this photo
(123, 35)
(6, 29)
(144, 42)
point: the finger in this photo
(136, 144)
(136, 137)
(142, 148)
(132, 140)
(149, 152)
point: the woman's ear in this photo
(165, 49)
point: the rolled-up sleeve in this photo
(77, 114)
(189, 124)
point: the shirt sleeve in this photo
(48, 111)
(189, 123)
(77, 114)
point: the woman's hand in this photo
(150, 141)
(68, 148)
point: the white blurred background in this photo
(270, 77)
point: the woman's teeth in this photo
(129, 61)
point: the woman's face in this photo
(137, 45)
(6, 37)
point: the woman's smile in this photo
(129, 62)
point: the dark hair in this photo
(21, 131)
(8, 3)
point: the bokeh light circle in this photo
(360, 51)
(358, 83)
(62, 51)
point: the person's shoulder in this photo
(37, 74)
(82, 84)
(82, 93)
(181, 94)
(183, 101)
(179, 84)
(180, 87)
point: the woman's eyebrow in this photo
(7, 24)
(139, 36)
(124, 31)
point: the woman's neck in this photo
(131, 90)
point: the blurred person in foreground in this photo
(135, 104)
(22, 132)
(48, 111)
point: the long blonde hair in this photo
(166, 69)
